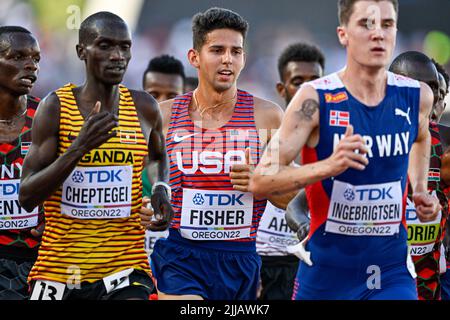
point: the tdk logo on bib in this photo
(77, 177)
(9, 189)
(212, 199)
(368, 194)
(198, 199)
(349, 195)
(104, 176)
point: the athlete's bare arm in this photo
(147, 213)
(274, 176)
(444, 132)
(427, 207)
(43, 171)
(268, 117)
(151, 122)
(166, 111)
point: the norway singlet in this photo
(426, 238)
(92, 222)
(16, 241)
(358, 235)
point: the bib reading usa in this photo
(98, 192)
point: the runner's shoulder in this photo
(166, 109)
(268, 110)
(143, 100)
(50, 103)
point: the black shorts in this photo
(277, 277)
(13, 279)
(139, 287)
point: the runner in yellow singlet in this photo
(85, 162)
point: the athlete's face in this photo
(19, 62)
(440, 105)
(163, 86)
(220, 60)
(108, 54)
(294, 75)
(370, 33)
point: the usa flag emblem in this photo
(339, 118)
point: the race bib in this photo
(274, 231)
(117, 280)
(216, 215)
(98, 192)
(48, 290)
(12, 215)
(365, 210)
(151, 237)
(421, 235)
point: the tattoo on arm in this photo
(308, 109)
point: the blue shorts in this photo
(326, 283)
(182, 267)
(445, 285)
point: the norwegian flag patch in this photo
(339, 118)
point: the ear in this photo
(281, 89)
(342, 35)
(81, 52)
(193, 58)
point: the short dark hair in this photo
(300, 52)
(5, 30)
(442, 71)
(345, 9)
(13, 29)
(216, 18)
(165, 64)
(87, 31)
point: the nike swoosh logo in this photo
(177, 138)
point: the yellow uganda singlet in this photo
(92, 223)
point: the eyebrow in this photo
(100, 39)
(222, 46)
(364, 20)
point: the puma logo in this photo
(401, 113)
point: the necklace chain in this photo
(12, 120)
(214, 106)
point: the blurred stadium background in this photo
(164, 26)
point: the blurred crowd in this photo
(59, 63)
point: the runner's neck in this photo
(92, 91)
(216, 102)
(11, 106)
(368, 85)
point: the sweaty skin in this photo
(106, 57)
(219, 62)
(19, 65)
(365, 77)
